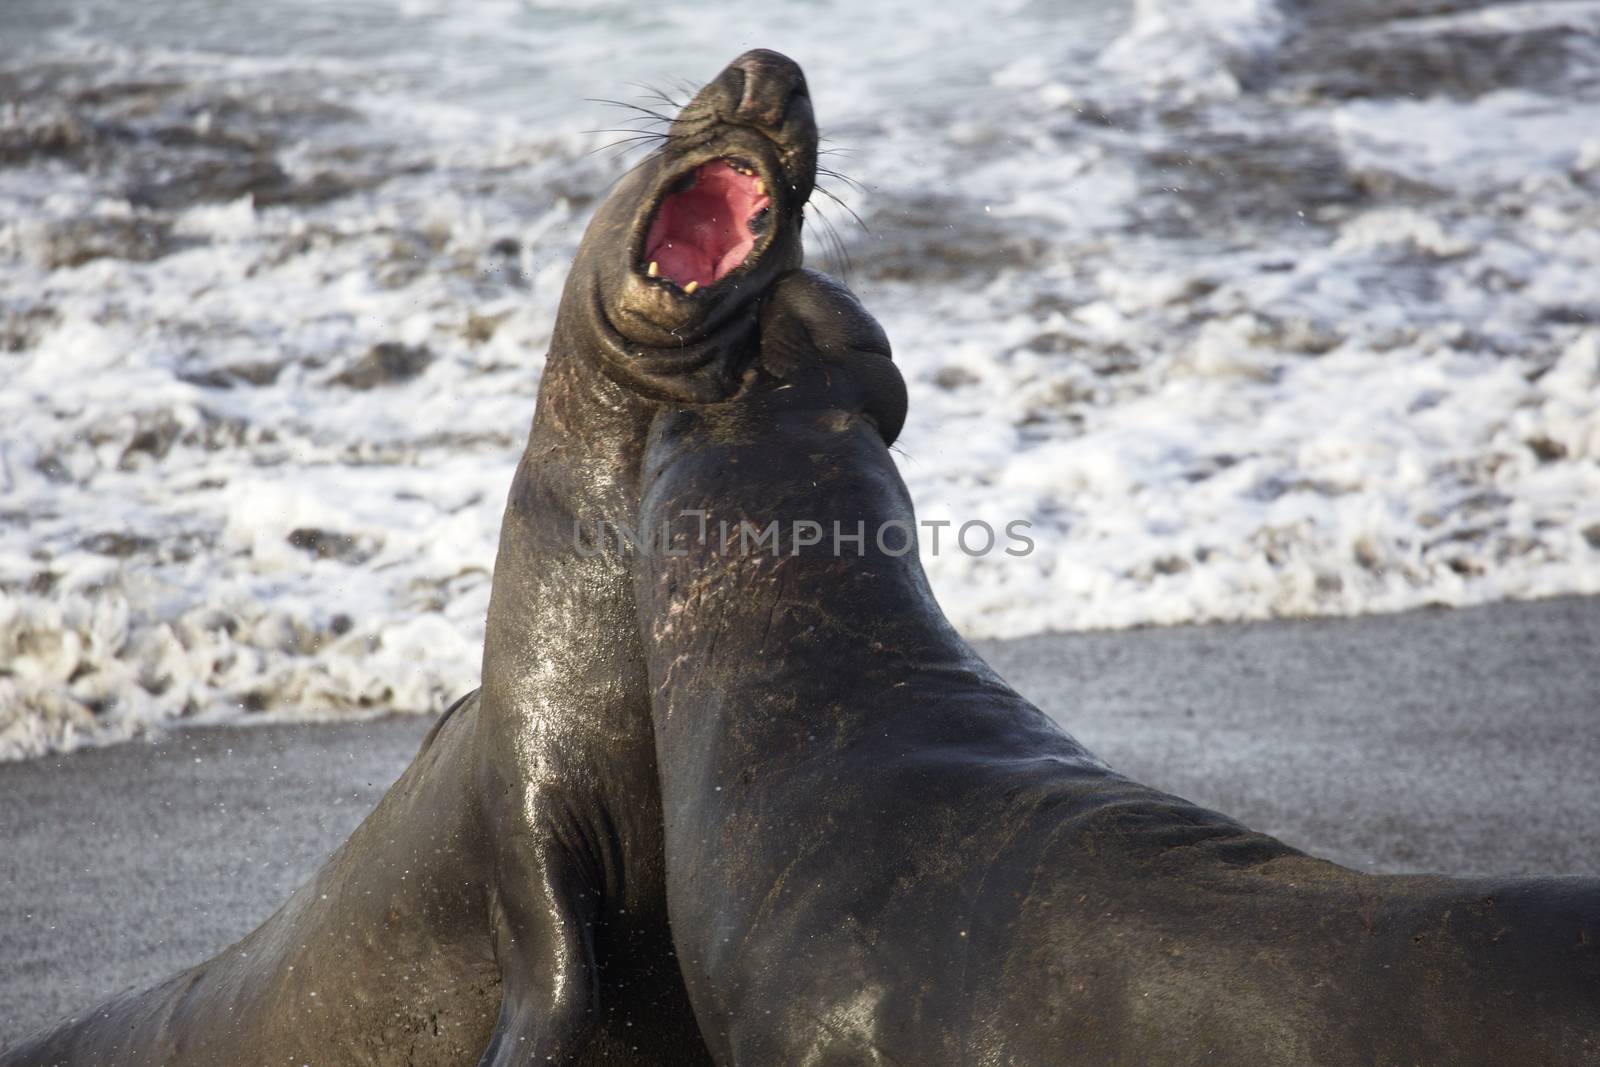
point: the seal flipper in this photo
(540, 917)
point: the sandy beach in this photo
(1461, 741)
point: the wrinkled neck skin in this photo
(577, 476)
(617, 351)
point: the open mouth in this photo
(708, 225)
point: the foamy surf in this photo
(1248, 315)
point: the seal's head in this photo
(821, 350)
(675, 260)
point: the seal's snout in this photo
(732, 179)
(707, 222)
(770, 80)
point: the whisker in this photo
(653, 93)
(851, 182)
(626, 143)
(848, 266)
(631, 131)
(641, 122)
(852, 211)
(834, 247)
(630, 107)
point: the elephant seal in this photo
(878, 853)
(506, 898)
(660, 305)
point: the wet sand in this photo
(1457, 741)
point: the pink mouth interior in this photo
(703, 232)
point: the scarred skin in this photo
(878, 853)
(504, 903)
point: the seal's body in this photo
(383, 954)
(508, 892)
(877, 852)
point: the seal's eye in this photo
(707, 224)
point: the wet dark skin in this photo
(879, 853)
(505, 902)
(569, 785)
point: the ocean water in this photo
(1250, 310)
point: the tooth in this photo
(691, 287)
(761, 187)
(653, 270)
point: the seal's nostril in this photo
(770, 80)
